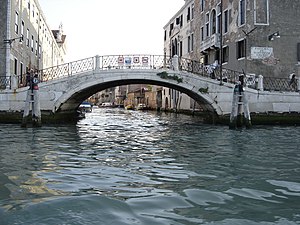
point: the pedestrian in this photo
(35, 81)
(293, 82)
(27, 82)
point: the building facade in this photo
(27, 41)
(179, 36)
(258, 37)
(254, 37)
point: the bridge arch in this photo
(78, 88)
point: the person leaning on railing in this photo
(293, 81)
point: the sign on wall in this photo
(261, 52)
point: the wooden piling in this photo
(240, 114)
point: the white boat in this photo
(83, 108)
(141, 106)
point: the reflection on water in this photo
(131, 167)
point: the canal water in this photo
(129, 167)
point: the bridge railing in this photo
(151, 62)
(280, 84)
(201, 69)
(67, 69)
(5, 82)
(103, 63)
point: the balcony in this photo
(210, 42)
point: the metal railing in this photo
(67, 69)
(280, 84)
(201, 69)
(5, 82)
(151, 62)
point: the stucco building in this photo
(256, 37)
(179, 39)
(27, 41)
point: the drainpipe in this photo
(7, 46)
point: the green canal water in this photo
(130, 167)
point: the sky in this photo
(111, 27)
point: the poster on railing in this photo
(145, 61)
(136, 60)
(121, 60)
(127, 61)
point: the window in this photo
(32, 43)
(242, 12)
(181, 20)
(202, 33)
(17, 23)
(225, 54)
(171, 28)
(21, 68)
(188, 17)
(22, 30)
(192, 11)
(180, 48)
(177, 20)
(27, 38)
(261, 12)
(16, 67)
(202, 5)
(207, 24)
(190, 43)
(226, 21)
(213, 22)
(21, 72)
(165, 35)
(240, 49)
(36, 48)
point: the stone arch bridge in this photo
(64, 87)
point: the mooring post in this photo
(234, 110)
(32, 99)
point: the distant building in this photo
(27, 41)
(179, 38)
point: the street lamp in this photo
(221, 43)
(9, 41)
(274, 35)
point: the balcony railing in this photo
(211, 42)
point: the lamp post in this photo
(221, 43)
(10, 41)
(274, 35)
(10, 83)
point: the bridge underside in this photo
(73, 101)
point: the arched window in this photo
(213, 21)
